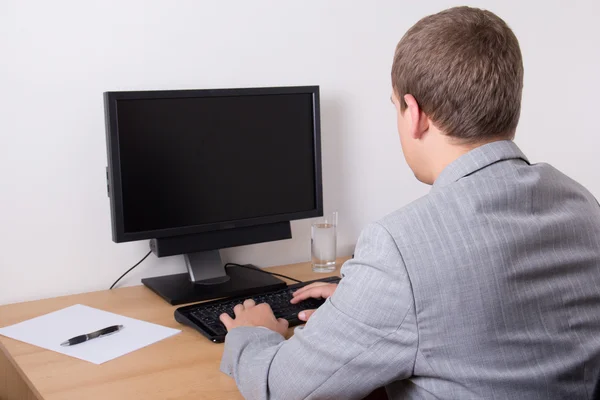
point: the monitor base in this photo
(178, 289)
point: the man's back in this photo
(488, 287)
(503, 259)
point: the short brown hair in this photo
(464, 68)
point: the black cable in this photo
(260, 270)
(129, 270)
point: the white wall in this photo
(56, 59)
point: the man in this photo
(488, 287)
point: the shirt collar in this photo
(477, 159)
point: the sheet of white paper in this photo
(50, 330)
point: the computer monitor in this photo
(196, 171)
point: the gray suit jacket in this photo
(486, 288)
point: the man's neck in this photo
(449, 151)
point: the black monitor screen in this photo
(200, 160)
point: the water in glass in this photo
(323, 246)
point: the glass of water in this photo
(324, 242)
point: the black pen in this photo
(84, 338)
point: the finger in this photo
(316, 292)
(308, 287)
(249, 303)
(300, 293)
(226, 320)
(283, 323)
(305, 315)
(238, 309)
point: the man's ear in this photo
(419, 123)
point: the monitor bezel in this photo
(114, 165)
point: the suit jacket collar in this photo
(477, 159)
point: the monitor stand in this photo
(207, 279)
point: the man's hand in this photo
(250, 314)
(316, 290)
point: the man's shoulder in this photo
(417, 206)
(554, 176)
(453, 207)
(413, 218)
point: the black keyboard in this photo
(204, 317)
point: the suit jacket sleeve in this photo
(363, 337)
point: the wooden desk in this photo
(185, 366)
